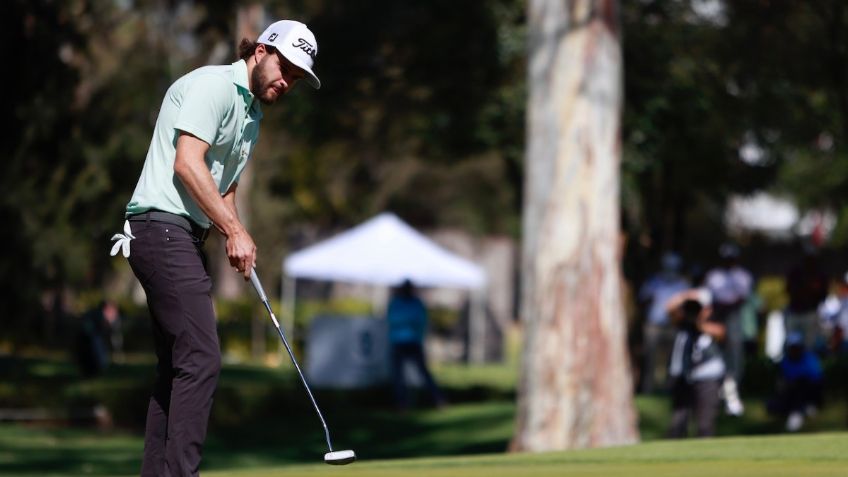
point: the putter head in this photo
(341, 457)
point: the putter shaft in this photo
(254, 278)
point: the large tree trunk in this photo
(576, 388)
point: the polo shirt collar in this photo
(241, 81)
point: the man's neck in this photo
(251, 64)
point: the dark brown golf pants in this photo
(169, 262)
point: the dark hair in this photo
(406, 289)
(246, 48)
(692, 308)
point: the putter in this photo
(341, 457)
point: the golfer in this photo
(205, 134)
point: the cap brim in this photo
(310, 76)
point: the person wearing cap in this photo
(205, 134)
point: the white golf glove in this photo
(123, 241)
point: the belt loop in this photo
(147, 217)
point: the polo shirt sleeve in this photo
(205, 104)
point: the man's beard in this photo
(259, 85)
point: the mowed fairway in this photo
(262, 425)
(769, 456)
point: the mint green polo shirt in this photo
(214, 103)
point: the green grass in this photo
(26, 452)
(775, 456)
(49, 451)
(262, 424)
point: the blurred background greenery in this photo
(421, 113)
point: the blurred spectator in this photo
(407, 320)
(799, 388)
(731, 285)
(697, 366)
(834, 316)
(95, 337)
(657, 332)
(807, 287)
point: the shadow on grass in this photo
(30, 450)
(260, 417)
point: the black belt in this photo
(199, 233)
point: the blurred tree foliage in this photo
(729, 97)
(87, 83)
(421, 112)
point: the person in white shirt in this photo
(834, 317)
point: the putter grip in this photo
(254, 278)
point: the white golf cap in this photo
(296, 43)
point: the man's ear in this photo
(260, 51)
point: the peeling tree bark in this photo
(575, 388)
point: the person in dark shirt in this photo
(800, 386)
(807, 287)
(407, 320)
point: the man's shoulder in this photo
(224, 71)
(208, 79)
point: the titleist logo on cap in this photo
(304, 45)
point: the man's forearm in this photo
(230, 200)
(716, 330)
(190, 168)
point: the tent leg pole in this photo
(374, 299)
(477, 328)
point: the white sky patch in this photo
(710, 11)
(66, 53)
(824, 142)
(761, 212)
(751, 152)
(732, 88)
(775, 217)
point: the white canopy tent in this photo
(384, 251)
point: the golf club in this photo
(341, 457)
